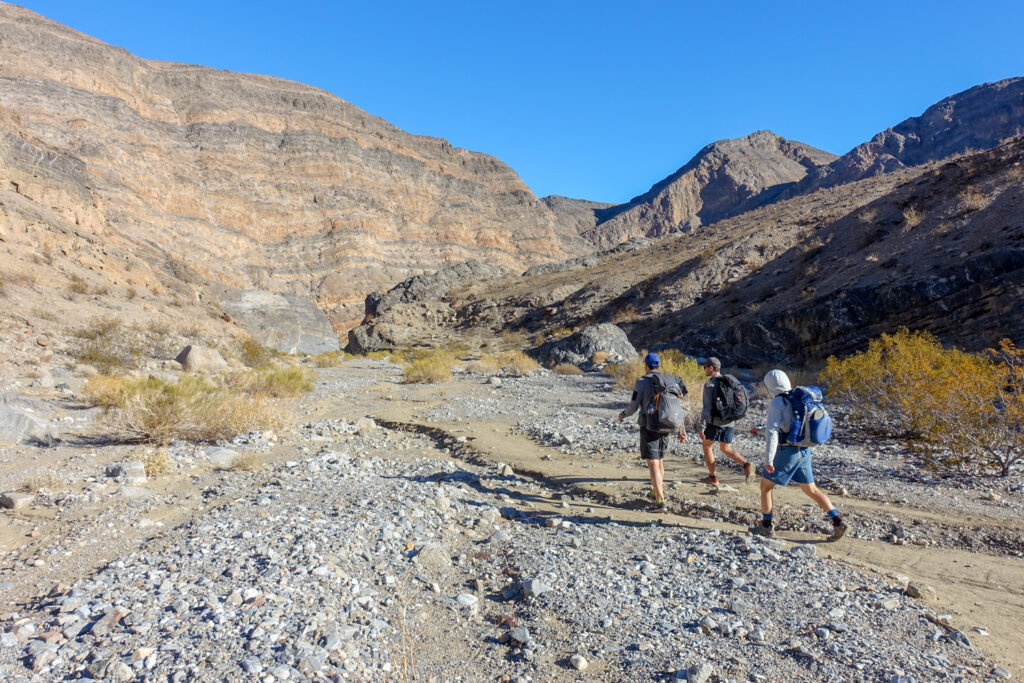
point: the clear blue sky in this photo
(597, 99)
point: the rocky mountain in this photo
(935, 247)
(975, 119)
(247, 181)
(729, 177)
(578, 214)
(723, 179)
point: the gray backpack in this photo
(663, 414)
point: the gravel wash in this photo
(375, 556)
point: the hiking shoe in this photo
(651, 495)
(838, 531)
(762, 530)
(748, 471)
(659, 508)
(710, 479)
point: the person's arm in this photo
(771, 432)
(634, 403)
(709, 400)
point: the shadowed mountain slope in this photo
(937, 247)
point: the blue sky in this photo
(599, 99)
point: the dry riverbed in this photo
(490, 530)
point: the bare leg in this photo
(732, 454)
(766, 496)
(709, 457)
(656, 468)
(817, 495)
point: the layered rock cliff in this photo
(255, 182)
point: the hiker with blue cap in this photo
(658, 394)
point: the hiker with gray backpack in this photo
(725, 402)
(658, 398)
(797, 421)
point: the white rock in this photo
(15, 500)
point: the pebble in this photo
(921, 591)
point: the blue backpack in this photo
(811, 425)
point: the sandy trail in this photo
(975, 589)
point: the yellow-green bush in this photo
(514, 362)
(567, 369)
(194, 408)
(274, 382)
(329, 359)
(254, 354)
(955, 408)
(517, 362)
(434, 365)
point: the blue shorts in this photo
(716, 433)
(791, 464)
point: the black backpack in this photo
(664, 413)
(730, 399)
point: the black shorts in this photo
(716, 433)
(652, 445)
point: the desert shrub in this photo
(379, 355)
(625, 314)
(515, 339)
(567, 369)
(329, 359)
(41, 481)
(600, 357)
(559, 332)
(955, 409)
(513, 362)
(157, 462)
(193, 408)
(109, 345)
(911, 217)
(254, 354)
(626, 374)
(517, 362)
(430, 366)
(77, 285)
(488, 363)
(249, 461)
(274, 382)
(972, 199)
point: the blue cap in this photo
(652, 360)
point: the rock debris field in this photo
(371, 554)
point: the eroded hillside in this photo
(934, 247)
